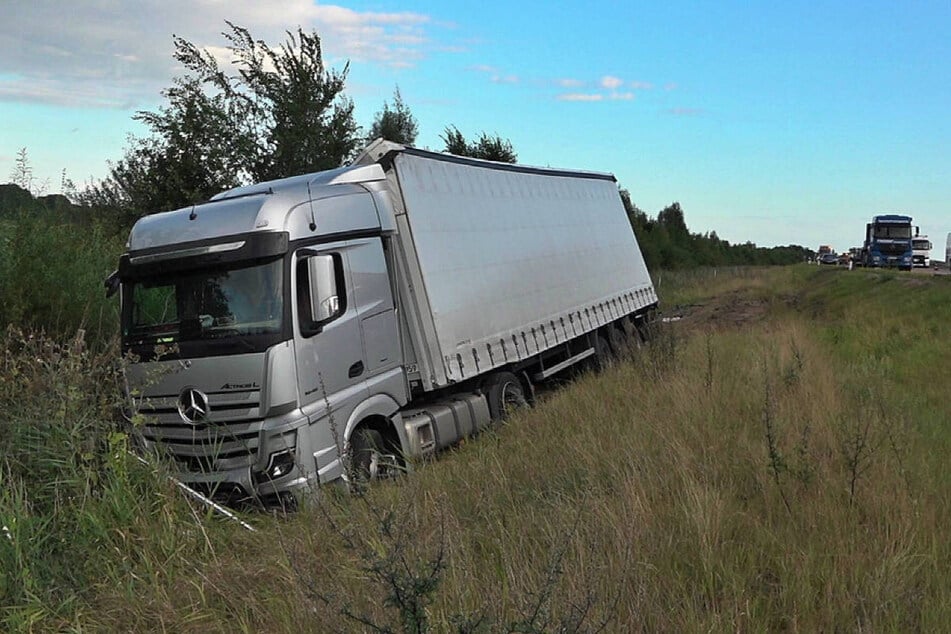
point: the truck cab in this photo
(921, 251)
(888, 242)
(255, 316)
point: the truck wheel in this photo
(367, 457)
(505, 394)
(618, 342)
(603, 355)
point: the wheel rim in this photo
(512, 397)
(374, 468)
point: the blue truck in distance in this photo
(888, 242)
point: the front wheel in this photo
(370, 458)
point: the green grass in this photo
(51, 276)
(774, 461)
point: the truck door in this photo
(371, 286)
(329, 347)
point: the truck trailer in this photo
(888, 242)
(333, 325)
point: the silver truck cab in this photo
(263, 328)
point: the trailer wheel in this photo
(617, 341)
(505, 394)
(633, 335)
(603, 355)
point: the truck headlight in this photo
(278, 465)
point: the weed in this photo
(777, 463)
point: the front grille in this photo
(229, 439)
(893, 249)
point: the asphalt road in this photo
(940, 270)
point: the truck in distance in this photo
(327, 326)
(921, 250)
(888, 242)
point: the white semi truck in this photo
(286, 330)
(920, 250)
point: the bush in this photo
(51, 275)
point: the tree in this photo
(455, 142)
(287, 108)
(281, 113)
(490, 148)
(190, 156)
(672, 217)
(397, 124)
(638, 219)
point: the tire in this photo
(618, 341)
(603, 355)
(368, 457)
(504, 393)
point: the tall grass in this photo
(778, 469)
(76, 508)
(51, 276)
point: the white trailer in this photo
(365, 315)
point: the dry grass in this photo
(748, 477)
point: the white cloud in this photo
(622, 96)
(495, 75)
(576, 96)
(641, 85)
(685, 112)
(611, 83)
(569, 83)
(119, 54)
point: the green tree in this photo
(281, 113)
(667, 243)
(672, 217)
(395, 124)
(190, 156)
(455, 142)
(490, 148)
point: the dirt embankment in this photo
(729, 311)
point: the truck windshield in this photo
(237, 305)
(921, 245)
(893, 231)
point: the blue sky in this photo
(773, 122)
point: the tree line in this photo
(666, 243)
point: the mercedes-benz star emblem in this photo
(193, 406)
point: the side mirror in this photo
(112, 284)
(322, 276)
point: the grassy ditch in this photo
(776, 459)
